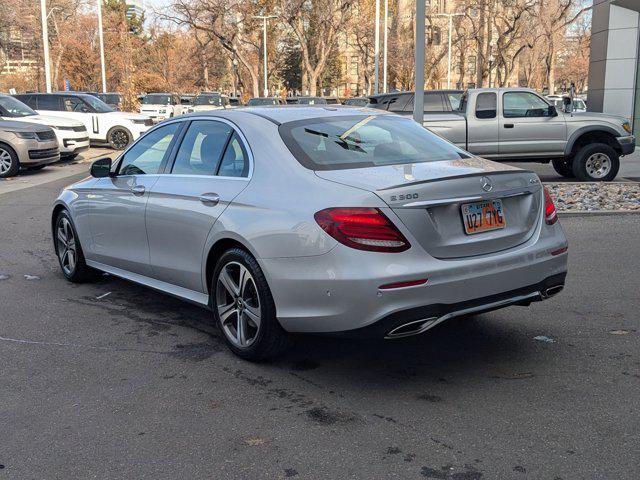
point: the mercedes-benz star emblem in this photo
(487, 186)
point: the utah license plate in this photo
(483, 216)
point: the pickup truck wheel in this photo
(597, 162)
(563, 167)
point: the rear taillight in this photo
(550, 212)
(362, 228)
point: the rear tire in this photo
(69, 251)
(244, 310)
(9, 163)
(596, 162)
(563, 167)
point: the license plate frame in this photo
(483, 216)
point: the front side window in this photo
(146, 155)
(97, 105)
(74, 104)
(486, 105)
(361, 141)
(202, 148)
(523, 104)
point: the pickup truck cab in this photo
(518, 124)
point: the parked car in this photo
(332, 100)
(235, 102)
(104, 125)
(187, 99)
(114, 100)
(209, 101)
(311, 101)
(356, 101)
(72, 135)
(518, 124)
(311, 220)
(26, 145)
(160, 106)
(562, 103)
(435, 101)
(256, 101)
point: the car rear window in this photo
(359, 141)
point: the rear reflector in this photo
(410, 283)
(550, 212)
(362, 228)
(559, 251)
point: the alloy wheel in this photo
(119, 139)
(5, 161)
(598, 165)
(67, 250)
(238, 304)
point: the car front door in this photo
(117, 218)
(210, 169)
(528, 127)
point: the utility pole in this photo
(418, 103)
(101, 38)
(450, 17)
(384, 56)
(376, 52)
(264, 19)
(45, 44)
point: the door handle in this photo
(210, 199)
(509, 125)
(138, 190)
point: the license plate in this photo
(483, 216)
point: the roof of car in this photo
(279, 114)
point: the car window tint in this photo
(146, 155)
(397, 104)
(202, 147)
(48, 102)
(523, 104)
(432, 103)
(234, 162)
(73, 104)
(486, 105)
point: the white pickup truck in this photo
(517, 124)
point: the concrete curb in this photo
(588, 213)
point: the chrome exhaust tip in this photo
(412, 328)
(551, 291)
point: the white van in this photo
(105, 125)
(72, 136)
(160, 106)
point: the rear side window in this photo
(486, 105)
(28, 100)
(397, 104)
(202, 147)
(432, 103)
(49, 102)
(360, 141)
(234, 162)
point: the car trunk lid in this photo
(428, 198)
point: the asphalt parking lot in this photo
(111, 380)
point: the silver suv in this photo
(27, 145)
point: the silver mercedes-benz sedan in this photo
(286, 220)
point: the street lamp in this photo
(418, 103)
(450, 16)
(234, 62)
(101, 38)
(376, 52)
(384, 42)
(264, 19)
(45, 44)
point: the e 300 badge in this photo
(400, 198)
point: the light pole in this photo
(376, 52)
(418, 103)
(450, 16)
(384, 42)
(101, 39)
(45, 44)
(234, 62)
(264, 19)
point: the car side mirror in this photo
(553, 112)
(101, 168)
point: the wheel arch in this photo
(10, 147)
(57, 208)
(592, 134)
(216, 250)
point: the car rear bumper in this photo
(627, 144)
(340, 291)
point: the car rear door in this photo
(211, 167)
(527, 128)
(117, 219)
